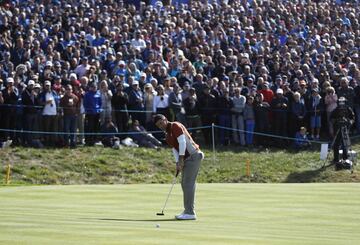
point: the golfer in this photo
(188, 159)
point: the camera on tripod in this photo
(342, 118)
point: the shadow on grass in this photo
(133, 220)
(306, 176)
(140, 220)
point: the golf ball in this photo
(157, 225)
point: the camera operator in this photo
(342, 118)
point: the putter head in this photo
(161, 214)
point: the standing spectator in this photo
(191, 107)
(31, 103)
(119, 102)
(70, 103)
(331, 99)
(298, 114)
(315, 109)
(357, 105)
(80, 93)
(249, 117)
(239, 102)
(279, 106)
(208, 111)
(262, 124)
(136, 102)
(224, 107)
(346, 91)
(92, 104)
(106, 96)
(50, 100)
(10, 96)
(149, 95)
(161, 102)
(177, 111)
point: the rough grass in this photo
(97, 165)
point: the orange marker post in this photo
(248, 168)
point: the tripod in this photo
(344, 142)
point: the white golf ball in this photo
(157, 225)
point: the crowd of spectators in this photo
(254, 66)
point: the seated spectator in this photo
(109, 131)
(301, 139)
(142, 137)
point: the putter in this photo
(172, 186)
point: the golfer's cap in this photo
(10, 80)
(37, 85)
(135, 82)
(279, 91)
(48, 63)
(31, 82)
(121, 63)
(47, 83)
(158, 117)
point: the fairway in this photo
(227, 214)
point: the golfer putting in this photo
(188, 157)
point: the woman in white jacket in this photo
(161, 102)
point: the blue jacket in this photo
(92, 102)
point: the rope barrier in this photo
(101, 134)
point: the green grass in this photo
(97, 165)
(228, 214)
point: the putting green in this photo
(227, 214)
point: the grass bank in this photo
(97, 165)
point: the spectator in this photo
(109, 132)
(238, 123)
(207, 106)
(120, 102)
(262, 123)
(70, 104)
(142, 137)
(249, 117)
(331, 99)
(224, 106)
(30, 100)
(92, 105)
(191, 106)
(106, 96)
(280, 107)
(50, 100)
(161, 102)
(315, 108)
(301, 139)
(298, 113)
(136, 102)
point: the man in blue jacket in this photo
(92, 105)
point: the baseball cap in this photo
(135, 82)
(47, 82)
(279, 91)
(48, 63)
(10, 80)
(31, 82)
